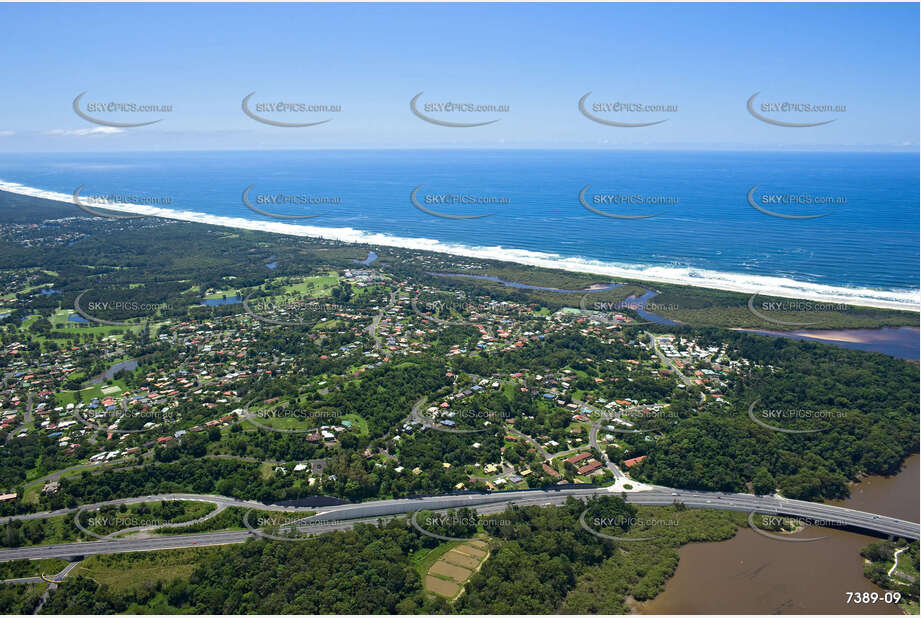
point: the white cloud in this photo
(5, 132)
(93, 131)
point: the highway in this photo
(834, 515)
(346, 515)
(218, 500)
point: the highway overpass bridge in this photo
(326, 519)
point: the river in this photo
(753, 574)
(901, 342)
(599, 287)
(126, 365)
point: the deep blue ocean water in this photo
(869, 240)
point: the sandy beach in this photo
(708, 279)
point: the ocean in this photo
(700, 218)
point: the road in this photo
(442, 322)
(593, 436)
(213, 513)
(593, 442)
(537, 446)
(43, 578)
(416, 415)
(53, 585)
(27, 419)
(346, 515)
(56, 476)
(372, 329)
(666, 360)
(86, 423)
(101, 466)
(214, 499)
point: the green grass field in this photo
(220, 294)
(124, 572)
(31, 568)
(423, 559)
(65, 397)
(317, 286)
(357, 421)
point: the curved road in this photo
(443, 322)
(214, 499)
(52, 579)
(347, 515)
(26, 420)
(667, 361)
(372, 328)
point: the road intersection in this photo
(347, 515)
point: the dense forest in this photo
(873, 428)
(543, 563)
(904, 580)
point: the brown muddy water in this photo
(752, 574)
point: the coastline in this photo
(906, 300)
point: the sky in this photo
(701, 61)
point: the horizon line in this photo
(916, 150)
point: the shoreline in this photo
(886, 340)
(904, 300)
(658, 604)
(836, 335)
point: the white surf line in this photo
(700, 278)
